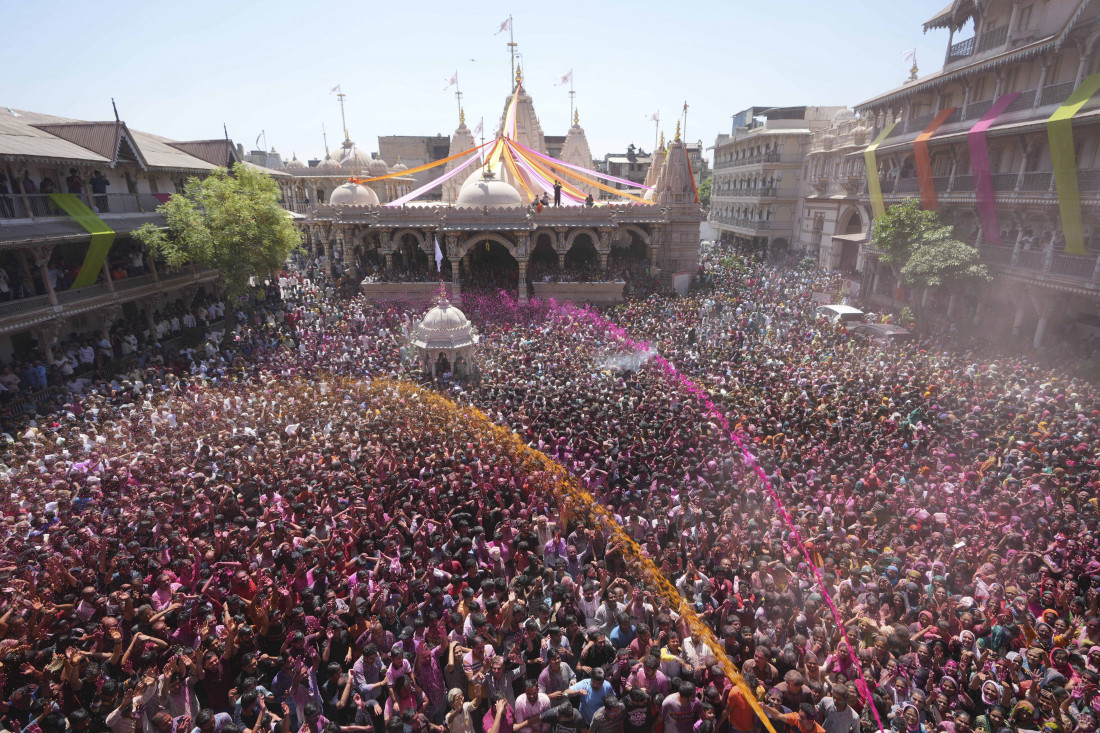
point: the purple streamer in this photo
(983, 176)
(432, 184)
(577, 168)
(536, 177)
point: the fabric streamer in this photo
(585, 171)
(102, 236)
(750, 461)
(983, 176)
(426, 166)
(874, 188)
(509, 130)
(537, 177)
(1060, 137)
(544, 178)
(433, 183)
(510, 164)
(924, 161)
(162, 197)
(583, 179)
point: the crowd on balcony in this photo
(20, 279)
(81, 360)
(245, 545)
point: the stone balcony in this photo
(21, 314)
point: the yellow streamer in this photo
(568, 172)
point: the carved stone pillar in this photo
(456, 286)
(47, 335)
(522, 280)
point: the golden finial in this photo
(576, 117)
(461, 116)
(677, 138)
(913, 71)
(662, 138)
(519, 76)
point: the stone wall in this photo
(580, 293)
(415, 292)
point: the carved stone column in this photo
(522, 280)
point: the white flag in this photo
(505, 26)
(438, 256)
(335, 89)
(348, 155)
(480, 127)
(452, 81)
(909, 54)
(655, 117)
(565, 79)
(13, 112)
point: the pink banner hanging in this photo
(536, 181)
(983, 176)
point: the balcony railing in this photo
(1036, 181)
(1030, 260)
(974, 110)
(1073, 265)
(1004, 182)
(940, 183)
(916, 124)
(1088, 180)
(997, 255)
(961, 50)
(993, 38)
(907, 185)
(963, 183)
(39, 205)
(1056, 93)
(1025, 100)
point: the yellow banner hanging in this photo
(424, 167)
(874, 188)
(1064, 158)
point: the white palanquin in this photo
(445, 333)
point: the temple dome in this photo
(445, 327)
(328, 164)
(485, 189)
(353, 194)
(399, 166)
(295, 163)
(378, 167)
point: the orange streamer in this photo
(924, 163)
(584, 179)
(426, 166)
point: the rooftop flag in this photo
(505, 26)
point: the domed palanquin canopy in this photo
(445, 327)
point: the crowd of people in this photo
(279, 533)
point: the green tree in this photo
(704, 193)
(900, 231)
(229, 222)
(923, 252)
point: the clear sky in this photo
(182, 69)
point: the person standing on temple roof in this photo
(557, 192)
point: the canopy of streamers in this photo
(531, 172)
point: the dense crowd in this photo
(270, 536)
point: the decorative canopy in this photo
(445, 327)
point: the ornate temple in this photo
(490, 232)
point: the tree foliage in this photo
(899, 231)
(944, 262)
(229, 222)
(704, 193)
(923, 251)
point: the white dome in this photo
(445, 327)
(649, 194)
(352, 194)
(399, 166)
(377, 166)
(295, 163)
(485, 190)
(328, 164)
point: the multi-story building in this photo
(756, 188)
(832, 221)
(979, 141)
(633, 165)
(71, 193)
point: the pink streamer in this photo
(983, 176)
(534, 176)
(749, 460)
(434, 183)
(577, 168)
